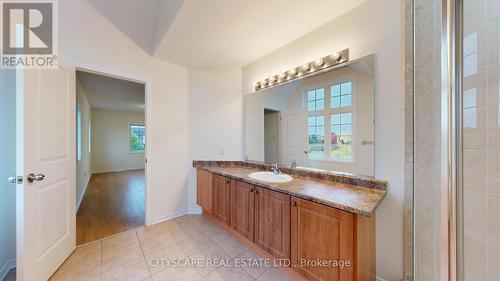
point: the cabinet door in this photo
(272, 222)
(320, 233)
(204, 190)
(242, 208)
(221, 198)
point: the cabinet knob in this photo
(251, 190)
(294, 203)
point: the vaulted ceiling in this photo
(111, 93)
(201, 33)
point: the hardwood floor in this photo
(113, 203)
(11, 276)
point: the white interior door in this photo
(46, 148)
(296, 138)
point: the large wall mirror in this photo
(324, 121)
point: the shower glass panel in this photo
(481, 136)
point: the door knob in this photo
(37, 177)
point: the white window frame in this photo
(327, 112)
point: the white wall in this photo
(87, 40)
(374, 27)
(83, 167)
(7, 168)
(110, 145)
(215, 117)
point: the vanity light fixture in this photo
(320, 64)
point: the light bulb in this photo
(282, 76)
(318, 63)
(335, 57)
(306, 67)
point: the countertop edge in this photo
(342, 207)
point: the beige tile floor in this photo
(136, 255)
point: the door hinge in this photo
(16, 180)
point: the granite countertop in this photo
(352, 198)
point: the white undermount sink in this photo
(270, 177)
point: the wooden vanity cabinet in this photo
(321, 233)
(328, 234)
(242, 208)
(288, 227)
(221, 198)
(204, 190)
(272, 222)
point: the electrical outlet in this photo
(221, 149)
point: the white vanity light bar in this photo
(304, 70)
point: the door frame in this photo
(280, 136)
(147, 120)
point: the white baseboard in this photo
(175, 215)
(117, 170)
(6, 268)
(80, 198)
(169, 216)
(195, 211)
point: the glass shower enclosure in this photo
(453, 145)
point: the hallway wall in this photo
(110, 141)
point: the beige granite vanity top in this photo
(356, 199)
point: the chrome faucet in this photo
(294, 164)
(276, 169)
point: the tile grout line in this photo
(143, 255)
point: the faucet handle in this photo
(275, 168)
(294, 164)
